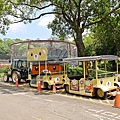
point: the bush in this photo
(1, 74)
(5, 70)
(75, 71)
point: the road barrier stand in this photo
(54, 88)
(117, 98)
(39, 87)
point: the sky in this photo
(36, 29)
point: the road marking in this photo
(100, 101)
(14, 92)
(48, 100)
(109, 114)
(103, 115)
(108, 101)
(31, 96)
(74, 96)
(96, 111)
(60, 93)
(7, 90)
(36, 118)
(90, 99)
(118, 117)
(81, 97)
(21, 93)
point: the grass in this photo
(1, 74)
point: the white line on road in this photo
(36, 118)
(7, 90)
(14, 92)
(103, 115)
(22, 93)
(48, 100)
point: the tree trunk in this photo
(79, 43)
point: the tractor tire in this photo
(6, 78)
(16, 76)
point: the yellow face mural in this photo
(37, 54)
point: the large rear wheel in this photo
(33, 83)
(16, 76)
(6, 77)
(49, 87)
(101, 94)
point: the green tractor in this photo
(17, 71)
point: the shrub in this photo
(5, 70)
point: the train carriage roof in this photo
(92, 58)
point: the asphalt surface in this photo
(25, 103)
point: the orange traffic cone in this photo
(17, 82)
(39, 87)
(54, 88)
(117, 99)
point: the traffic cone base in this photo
(39, 87)
(17, 82)
(54, 88)
(117, 100)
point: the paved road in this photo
(24, 103)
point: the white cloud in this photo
(17, 27)
(46, 20)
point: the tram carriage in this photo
(97, 79)
(44, 70)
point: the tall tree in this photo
(72, 17)
(107, 36)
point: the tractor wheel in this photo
(6, 78)
(16, 76)
(49, 87)
(101, 94)
(33, 83)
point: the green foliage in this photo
(5, 70)
(5, 46)
(107, 36)
(75, 71)
(89, 42)
(1, 74)
(72, 17)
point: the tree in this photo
(90, 43)
(72, 17)
(107, 36)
